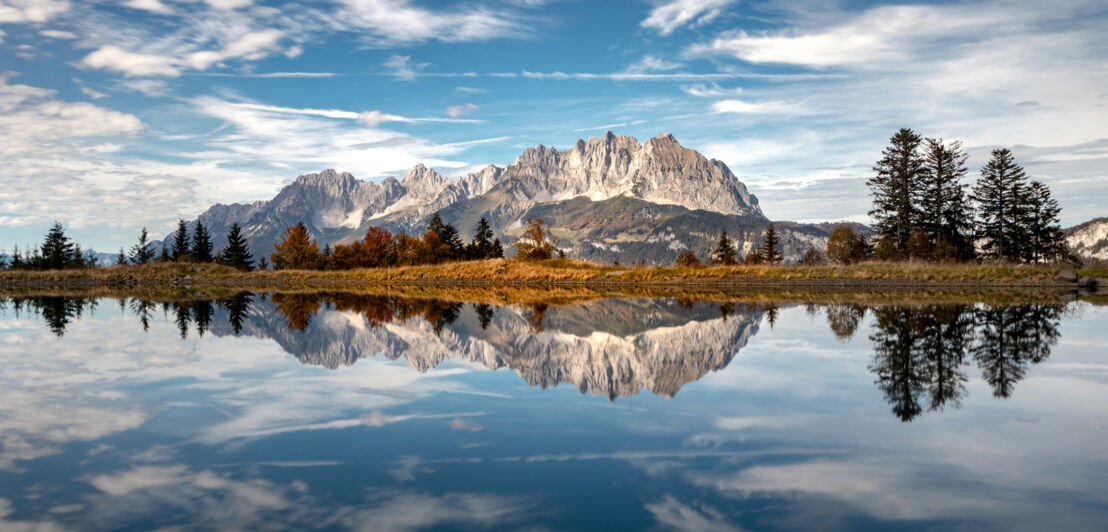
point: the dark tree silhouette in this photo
(1000, 194)
(484, 315)
(895, 190)
(481, 247)
(236, 253)
(201, 244)
(724, 254)
(141, 252)
(901, 369)
(1044, 240)
(181, 248)
(771, 247)
(947, 218)
(844, 320)
(57, 251)
(237, 307)
(1010, 339)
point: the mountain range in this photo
(607, 199)
(613, 348)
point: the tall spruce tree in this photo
(481, 247)
(17, 260)
(121, 259)
(142, 252)
(895, 189)
(237, 252)
(771, 247)
(164, 256)
(1045, 240)
(181, 248)
(1001, 206)
(946, 216)
(201, 244)
(448, 235)
(724, 253)
(57, 249)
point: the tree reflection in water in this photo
(921, 353)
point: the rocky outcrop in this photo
(1090, 239)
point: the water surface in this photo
(353, 412)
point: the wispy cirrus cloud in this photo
(31, 10)
(669, 15)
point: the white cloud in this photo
(402, 69)
(770, 107)
(58, 34)
(650, 63)
(132, 64)
(153, 6)
(673, 14)
(248, 46)
(676, 515)
(392, 22)
(31, 10)
(709, 91)
(229, 4)
(455, 111)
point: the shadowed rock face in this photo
(612, 348)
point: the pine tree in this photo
(497, 249)
(237, 252)
(296, 250)
(3, 262)
(17, 260)
(164, 256)
(263, 264)
(999, 195)
(895, 189)
(201, 244)
(141, 253)
(181, 248)
(481, 247)
(946, 215)
(1045, 239)
(771, 247)
(724, 254)
(121, 259)
(57, 249)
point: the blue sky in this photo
(119, 114)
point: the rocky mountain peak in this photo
(422, 178)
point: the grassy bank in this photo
(560, 272)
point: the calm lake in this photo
(354, 412)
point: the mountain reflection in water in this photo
(610, 347)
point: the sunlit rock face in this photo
(599, 179)
(612, 348)
(1090, 239)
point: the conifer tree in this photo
(724, 254)
(946, 216)
(57, 249)
(999, 194)
(141, 253)
(895, 189)
(164, 256)
(121, 259)
(3, 262)
(296, 250)
(237, 252)
(447, 235)
(481, 246)
(17, 260)
(497, 249)
(201, 244)
(1045, 240)
(771, 247)
(263, 264)
(181, 248)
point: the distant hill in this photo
(608, 199)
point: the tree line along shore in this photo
(930, 227)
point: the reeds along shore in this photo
(567, 272)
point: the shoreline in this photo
(565, 274)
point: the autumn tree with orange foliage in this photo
(537, 242)
(376, 250)
(296, 250)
